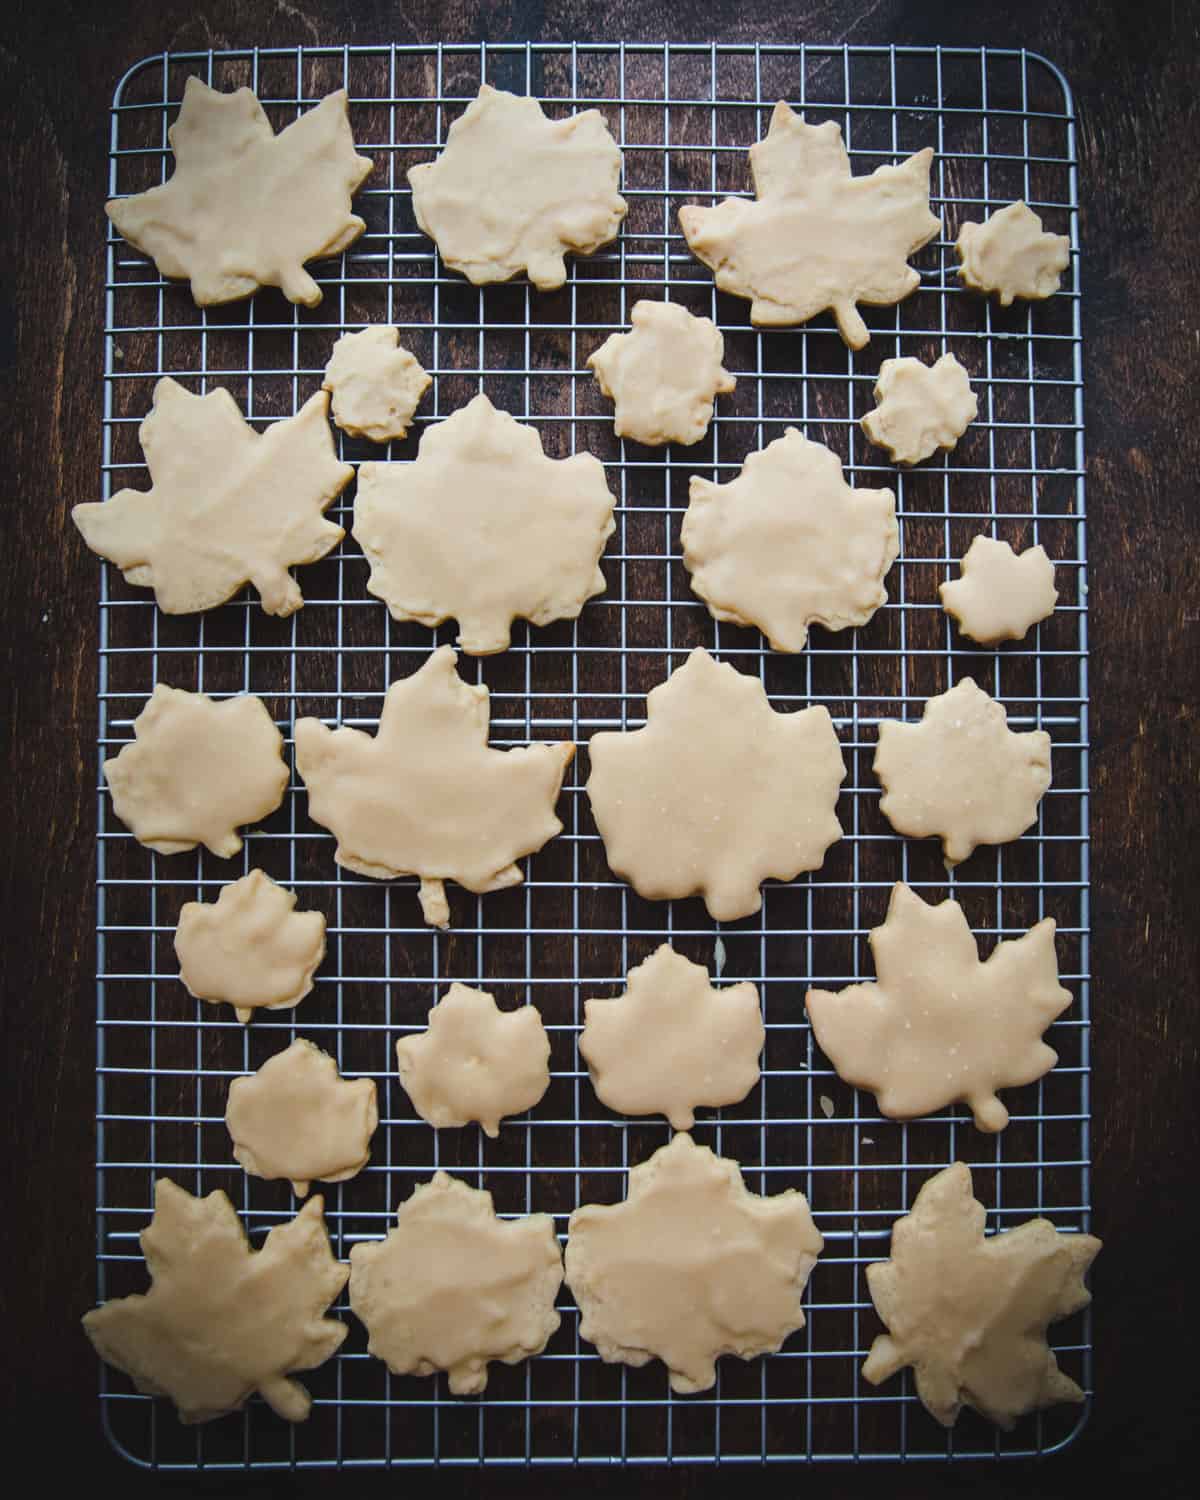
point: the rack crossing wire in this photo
(1002, 127)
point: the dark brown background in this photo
(1135, 70)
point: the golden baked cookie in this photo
(376, 384)
(921, 408)
(1000, 594)
(1012, 255)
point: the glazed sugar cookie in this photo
(298, 1118)
(476, 1063)
(221, 1320)
(453, 1286)
(692, 1265)
(789, 543)
(426, 795)
(1012, 255)
(245, 207)
(816, 237)
(376, 384)
(672, 1041)
(921, 408)
(485, 528)
(513, 190)
(228, 506)
(197, 770)
(939, 1026)
(717, 792)
(970, 1313)
(1000, 594)
(664, 375)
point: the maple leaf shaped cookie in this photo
(717, 792)
(1012, 255)
(921, 408)
(940, 1026)
(672, 1041)
(452, 1286)
(815, 237)
(970, 1313)
(228, 506)
(1000, 594)
(788, 543)
(221, 1320)
(692, 1265)
(485, 528)
(298, 1118)
(375, 382)
(513, 190)
(475, 1062)
(245, 207)
(664, 375)
(961, 774)
(197, 770)
(426, 795)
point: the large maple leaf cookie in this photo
(692, 1265)
(227, 505)
(245, 207)
(970, 1313)
(427, 796)
(717, 792)
(1012, 255)
(816, 237)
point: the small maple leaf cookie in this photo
(672, 1041)
(375, 382)
(1012, 255)
(816, 237)
(427, 796)
(940, 1026)
(476, 1063)
(692, 1265)
(970, 1313)
(921, 408)
(789, 543)
(228, 506)
(197, 770)
(245, 207)
(664, 375)
(452, 1286)
(221, 1320)
(717, 792)
(298, 1118)
(513, 190)
(485, 528)
(1000, 594)
(961, 774)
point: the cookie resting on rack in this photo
(921, 408)
(375, 382)
(1000, 594)
(1012, 255)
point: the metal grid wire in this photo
(1002, 127)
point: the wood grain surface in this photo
(1135, 71)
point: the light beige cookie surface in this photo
(718, 791)
(197, 770)
(227, 506)
(426, 795)
(452, 1286)
(664, 375)
(815, 237)
(970, 1313)
(939, 1026)
(475, 1063)
(921, 408)
(513, 190)
(298, 1118)
(1012, 255)
(221, 1320)
(376, 384)
(245, 207)
(961, 774)
(484, 528)
(692, 1265)
(1000, 594)
(788, 543)
(672, 1041)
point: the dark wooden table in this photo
(1135, 70)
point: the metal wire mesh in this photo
(1002, 127)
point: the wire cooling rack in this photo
(1002, 127)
